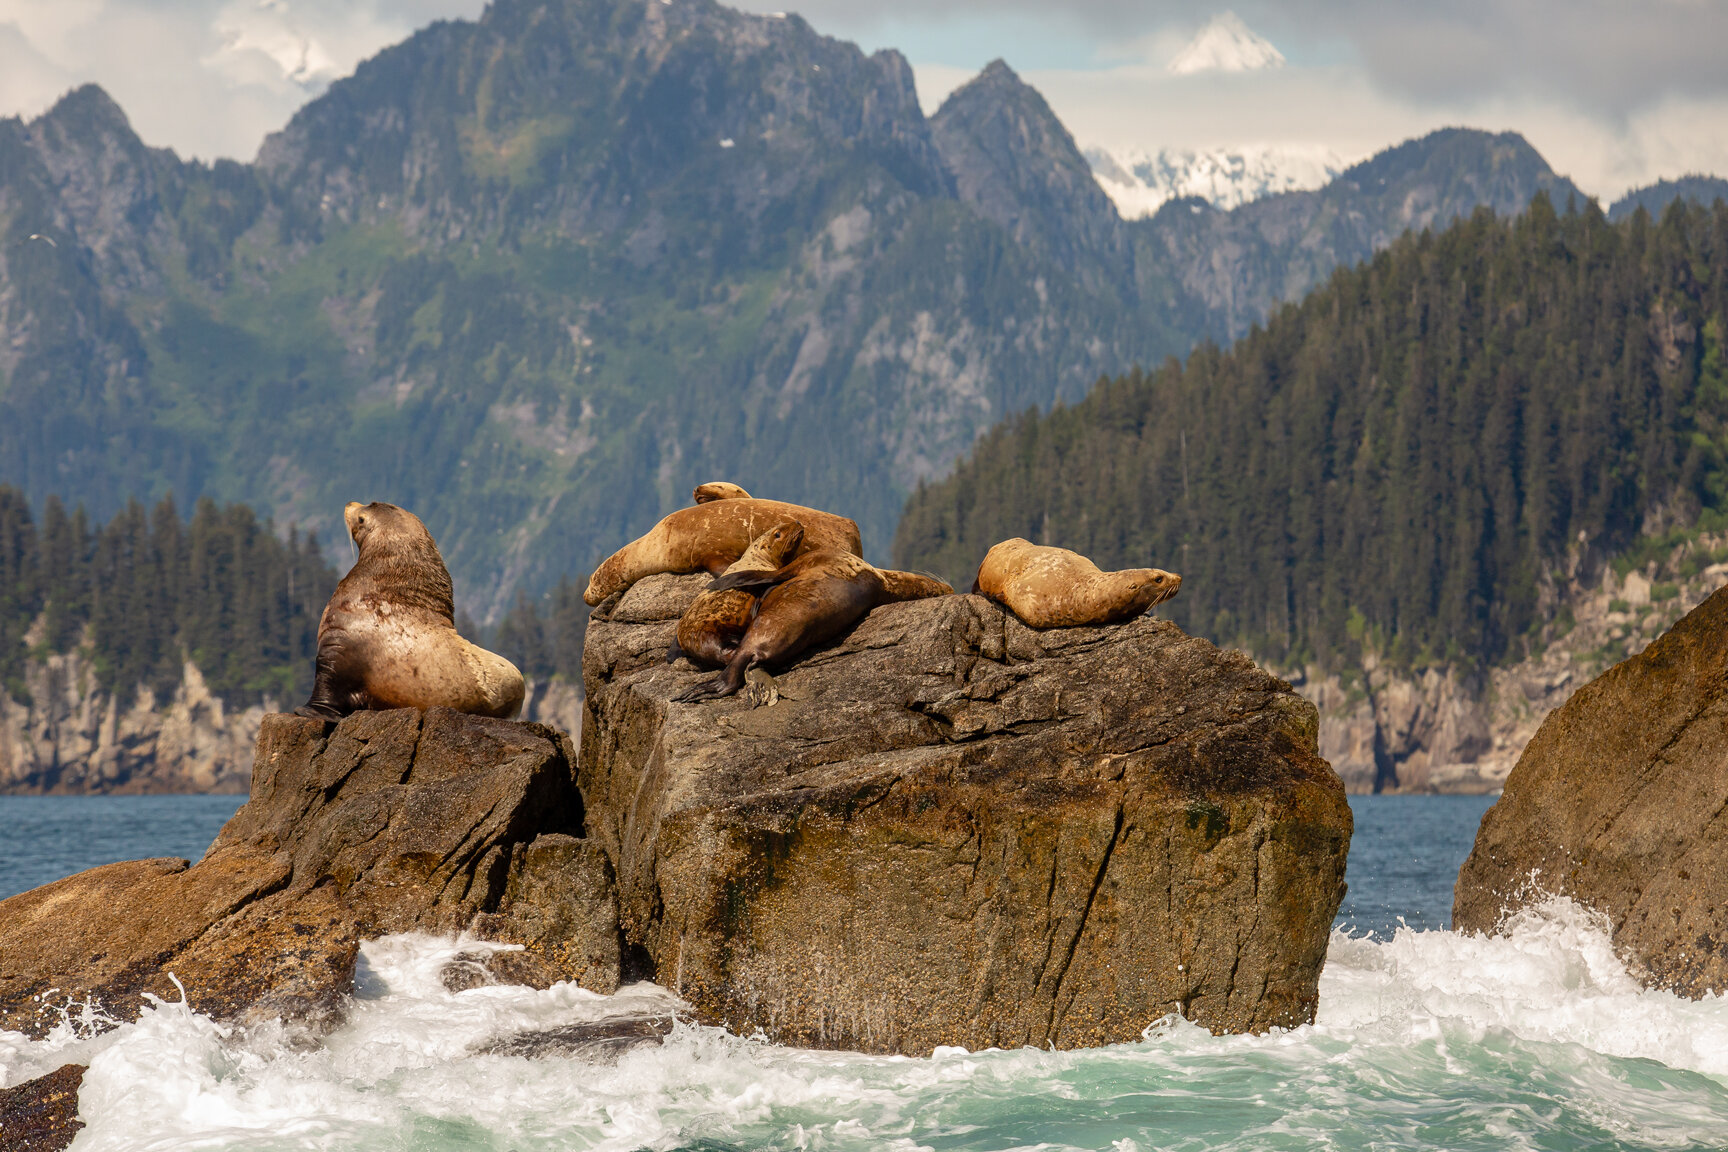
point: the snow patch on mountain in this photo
(1226, 45)
(1141, 182)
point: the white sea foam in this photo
(1537, 1039)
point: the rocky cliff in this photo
(68, 737)
(1389, 731)
(951, 829)
(1618, 802)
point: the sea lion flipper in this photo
(757, 582)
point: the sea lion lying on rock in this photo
(718, 490)
(815, 598)
(710, 629)
(388, 636)
(1056, 588)
(710, 537)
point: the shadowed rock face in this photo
(41, 1115)
(951, 829)
(1620, 801)
(384, 822)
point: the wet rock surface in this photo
(384, 822)
(1620, 801)
(593, 1042)
(41, 1115)
(951, 829)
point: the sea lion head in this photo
(718, 490)
(399, 557)
(1150, 586)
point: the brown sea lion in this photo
(388, 636)
(711, 627)
(815, 598)
(1055, 588)
(718, 490)
(710, 537)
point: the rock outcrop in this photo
(383, 822)
(951, 829)
(69, 737)
(41, 1115)
(1619, 802)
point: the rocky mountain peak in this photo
(1012, 159)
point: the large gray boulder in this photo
(951, 829)
(1618, 802)
(383, 822)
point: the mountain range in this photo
(536, 275)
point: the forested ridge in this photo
(148, 591)
(1402, 462)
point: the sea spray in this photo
(1539, 1039)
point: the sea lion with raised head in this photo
(818, 596)
(388, 636)
(1055, 588)
(710, 537)
(710, 629)
(718, 490)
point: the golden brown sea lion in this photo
(711, 627)
(710, 537)
(1056, 588)
(815, 598)
(388, 636)
(718, 490)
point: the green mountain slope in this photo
(1402, 463)
(536, 275)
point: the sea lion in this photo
(388, 636)
(718, 490)
(818, 596)
(1056, 588)
(711, 627)
(711, 536)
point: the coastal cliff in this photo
(67, 736)
(1387, 730)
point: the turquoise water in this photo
(1538, 1039)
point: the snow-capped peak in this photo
(1226, 45)
(1140, 182)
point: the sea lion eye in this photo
(1157, 579)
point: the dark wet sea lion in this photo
(810, 601)
(388, 636)
(1055, 588)
(718, 490)
(710, 537)
(715, 622)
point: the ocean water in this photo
(1538, 1039)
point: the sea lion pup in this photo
(388, 636)
(715, 622)
(718, 490)
(1056, 588)
(710, 537)
(815, 598)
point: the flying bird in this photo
(39, 236)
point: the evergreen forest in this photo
(1408, 462)
(148, 591)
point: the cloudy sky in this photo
(1615, 93)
